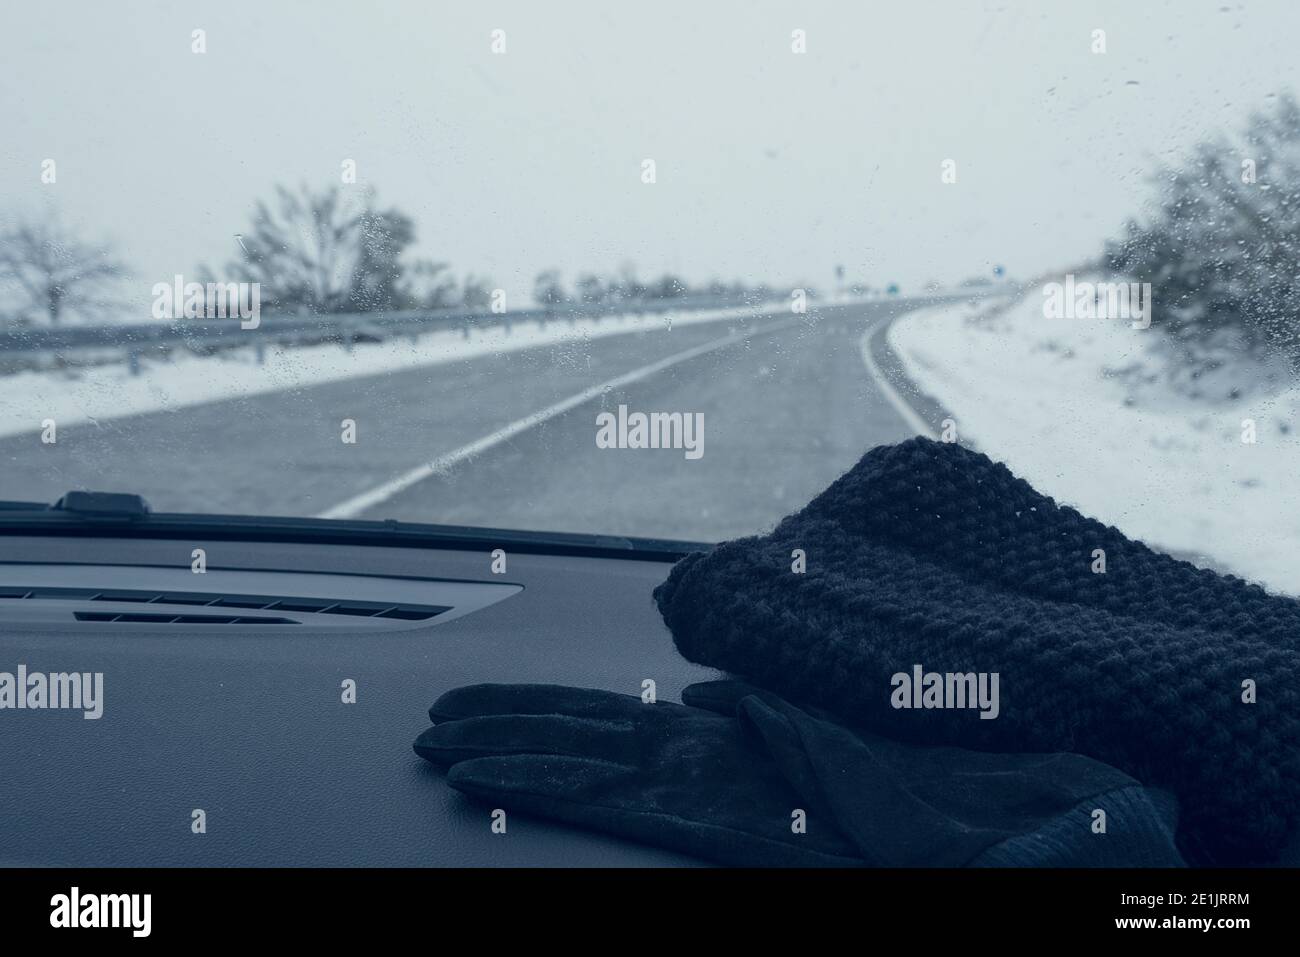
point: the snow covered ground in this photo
(1065, 404)
(110, 391)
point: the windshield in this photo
(667, 273)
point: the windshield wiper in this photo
(107, 505)
(106, 514)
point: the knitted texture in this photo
(928, 553)
(1140, 835)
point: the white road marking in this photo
(900, 404)
(382, 493)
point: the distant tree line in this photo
(324, 252)
(592, 288)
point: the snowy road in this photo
(509, 439)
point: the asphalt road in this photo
(787, 405)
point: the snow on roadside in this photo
(1045, 397)
(107, 392)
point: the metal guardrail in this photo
(329, 326)
(43, 346)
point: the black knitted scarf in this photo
(928, 553)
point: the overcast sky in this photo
(770, 165)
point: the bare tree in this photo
(667, 286)
(590, 288)
(428, 285)
(625, 285)
(59, 274)
(322, 252)
(476, 292)
(548, 288)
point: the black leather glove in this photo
(664, 774)
(722, 776)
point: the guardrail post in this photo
(133, 362)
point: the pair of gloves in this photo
(738, 776)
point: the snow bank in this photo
(1066, 405)
(110, 391)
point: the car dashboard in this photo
(235, 742)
